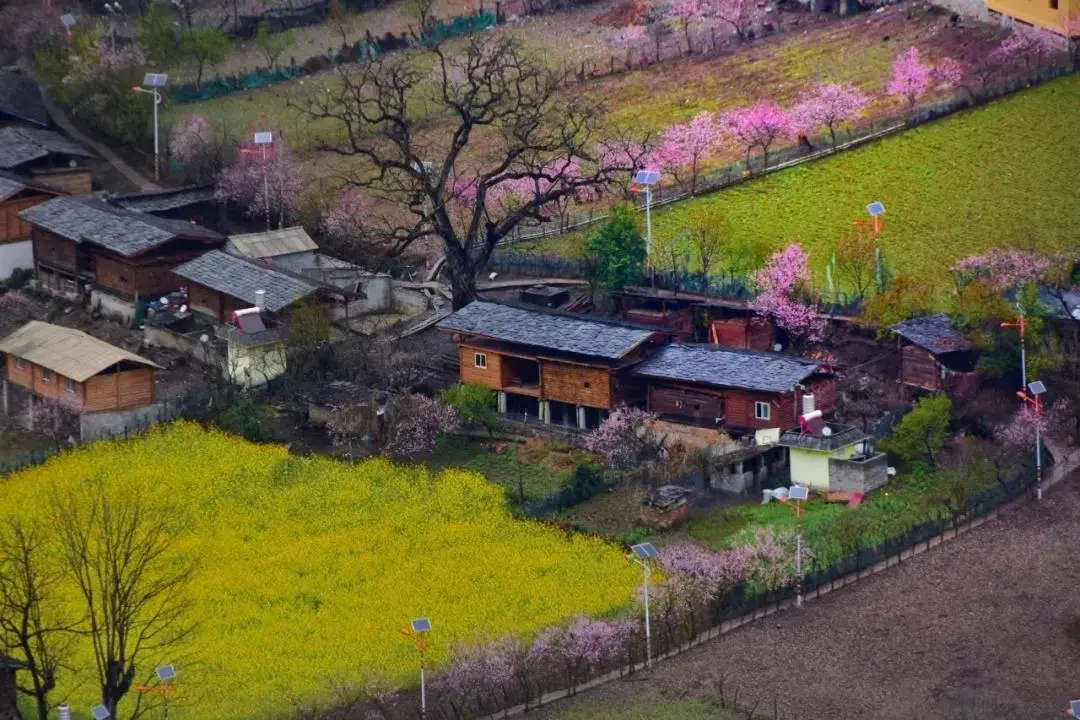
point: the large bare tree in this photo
(465, 147)
(118, 552)
(33, 625)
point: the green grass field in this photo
(1001, 175)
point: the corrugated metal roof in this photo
(241, 278)
(935, 333)
(565, 333)
(271, 243)
(725, 367)
(66, 351)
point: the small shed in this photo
(18, 193)
(748, 332)
(272, 244)
(666, 506)
(935, 356)
(545, 296)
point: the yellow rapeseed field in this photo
(307, 569)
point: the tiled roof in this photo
(11, 184)
(241, 278)
(935, 333)
(163, 200)
(564, 333)
(20, 98)
(20, 145)
(725, 367)
(271, 243)
(123, 231)
(69, 352)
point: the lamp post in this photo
(100, 712)
(876, 210)
(418, 630)
(798, 493)
(152, 83)
(1033, 394)
(643, 555)
(648, 178)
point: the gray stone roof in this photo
(123, 231)
(163, 200)
(565, 333)
(11, 184)
(935, 333)
(240, 278)
(20, 145)
(726, 367)
(20, 98)
(9, 187)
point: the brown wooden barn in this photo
(556, 367)
(739, 390)
(83, 240)
(935, 356)
(17, 194)
(67, 365)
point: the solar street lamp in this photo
(166, 675)
(1033, 394)
(1074, 708)
(68, 21)
(100, 712)
(418, 630)
(152, 84)
(643, 555)
(264, 140)
(799, 494)
(648, 178)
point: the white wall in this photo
(254, 365)
(16, 255)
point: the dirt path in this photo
(986, 626)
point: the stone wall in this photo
(858, 475)
(105, 425)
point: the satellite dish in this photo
(72, 164)
(183, 308)
(777, 347)
(204, 338)
(493, 275)
(826, 431)
(164, 301)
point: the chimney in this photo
(260, 299)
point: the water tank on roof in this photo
(808, 403)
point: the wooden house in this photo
(71, 367)
(749, 332)
(17, 194)
(79, 241)
(935, 356)
(190, 203)
(557, 367)
(48, 157)
(738, 390)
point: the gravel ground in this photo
(987, 626)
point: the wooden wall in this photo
(739, 410)
(120, 390)
(53, 249)
(695, 405)
(119, 276)
(491, 376)
(919, 368)
(747, 333)
(73, 181)
(576, 384)
(30, 377)
(12, 227)
(211, 302)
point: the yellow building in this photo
(835, 458)
(1059, 16)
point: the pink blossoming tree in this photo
(830, 106)
(910, 77)
(1056, 423)
(786, 275)
(682, 15)
(263, 180)
(624, 438)
(1026, 47)
(415, 422)
(739, 14)
(759, 126)
(1003, 269)
(686, 145)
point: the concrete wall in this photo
(117, 423)
(113, 305)
(204, 353)
(855, 476)
(254, 365)
(812, 468)
(15, 255)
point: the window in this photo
(1053, 4)
(46, 374)
(762, 411)
(72, 386)
(480, 360)
(20, 363)
(588, 384)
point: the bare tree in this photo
(856, 260)
(708, 227)
(33, 626)
(118, 553)
(448, 144)
(424, 12)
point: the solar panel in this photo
(644, 551)
(155, 80)
(1037, 387)
(100, 712)
(875, 209)
(68, 20)
(421, 625)
(798, 492)
(250, 322)
(264, 138)
(166, 673)
(647, 177)
(1074, 707)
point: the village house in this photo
(68, 366)
(740, 391)
(190, 203)
(697, 317)
(83, 242)
(48, 157)
(17, 194)
(935, 356)
(834, 458)
(556, 367)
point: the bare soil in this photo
(986, 626)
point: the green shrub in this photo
(476, 404)
(586, 481)
(920, 435)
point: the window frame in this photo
(758, 404)
(46, 374)
(20, 364)
(71, 386)
(480, 360)
(1054, 4)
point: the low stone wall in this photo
(121, 423)
(858, 475)
(561, 433)
(112, 305)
